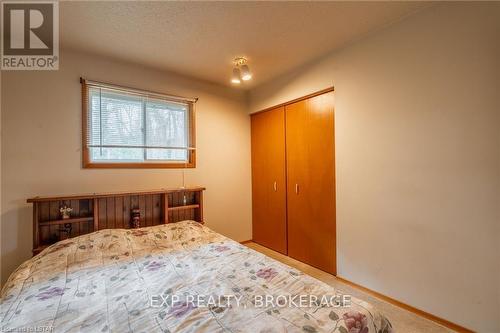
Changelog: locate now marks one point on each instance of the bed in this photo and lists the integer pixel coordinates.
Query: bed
(125, 280)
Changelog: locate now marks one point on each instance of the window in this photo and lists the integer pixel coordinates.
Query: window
(128, 128)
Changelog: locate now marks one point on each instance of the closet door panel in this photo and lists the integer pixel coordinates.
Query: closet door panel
(268, 179)
(311, 184)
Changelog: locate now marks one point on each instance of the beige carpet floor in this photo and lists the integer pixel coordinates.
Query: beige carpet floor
(402, 320)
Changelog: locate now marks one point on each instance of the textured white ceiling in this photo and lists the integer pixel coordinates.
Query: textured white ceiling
(200, 39)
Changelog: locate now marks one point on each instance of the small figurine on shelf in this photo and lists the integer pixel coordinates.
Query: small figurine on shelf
(65, 231)
(136, 218)
(65, 212)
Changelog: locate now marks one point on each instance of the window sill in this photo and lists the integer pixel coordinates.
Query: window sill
(175, 165)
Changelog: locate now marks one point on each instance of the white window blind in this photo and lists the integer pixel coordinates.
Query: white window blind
(132, 127)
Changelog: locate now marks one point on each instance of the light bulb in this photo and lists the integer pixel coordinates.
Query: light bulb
(236, 76)
(245, 73)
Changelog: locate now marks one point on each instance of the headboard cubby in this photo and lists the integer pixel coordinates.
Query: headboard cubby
(97, 211)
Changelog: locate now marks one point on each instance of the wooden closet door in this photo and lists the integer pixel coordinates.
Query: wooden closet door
(268, 179)
(311, 181)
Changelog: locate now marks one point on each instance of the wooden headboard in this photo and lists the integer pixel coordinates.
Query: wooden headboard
(92, 212)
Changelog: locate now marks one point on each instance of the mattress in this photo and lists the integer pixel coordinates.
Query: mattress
(179, 277)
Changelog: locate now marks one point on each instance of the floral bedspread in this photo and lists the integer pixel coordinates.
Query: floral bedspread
(119, 280)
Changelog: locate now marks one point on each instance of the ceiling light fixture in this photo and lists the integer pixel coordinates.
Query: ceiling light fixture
(245, 73)
(241, 71)
(236, 76)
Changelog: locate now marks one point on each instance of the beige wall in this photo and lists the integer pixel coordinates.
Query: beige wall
(41, 147)
(418, 159)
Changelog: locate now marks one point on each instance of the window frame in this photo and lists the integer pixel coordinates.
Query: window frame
(87, 162)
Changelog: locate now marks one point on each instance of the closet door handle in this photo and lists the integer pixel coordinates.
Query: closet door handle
(296, 188)
(275, 186)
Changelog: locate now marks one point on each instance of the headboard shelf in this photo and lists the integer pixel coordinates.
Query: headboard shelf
(113, 194)
(66, 221)
(92, 212)
(184, 207)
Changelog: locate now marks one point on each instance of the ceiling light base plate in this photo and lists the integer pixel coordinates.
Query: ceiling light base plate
(240, 61)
